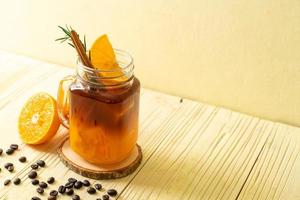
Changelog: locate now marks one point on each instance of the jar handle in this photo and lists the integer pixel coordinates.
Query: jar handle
(63, 99)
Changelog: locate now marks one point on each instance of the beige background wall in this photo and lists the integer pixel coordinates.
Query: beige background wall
(241, 54)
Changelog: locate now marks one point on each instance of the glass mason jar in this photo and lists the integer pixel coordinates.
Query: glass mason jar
(101, 110)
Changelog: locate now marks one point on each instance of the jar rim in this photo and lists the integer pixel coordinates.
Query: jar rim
(118, 52)
(124, 72)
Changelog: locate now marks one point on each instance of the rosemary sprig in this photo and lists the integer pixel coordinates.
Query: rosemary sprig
(67, 37)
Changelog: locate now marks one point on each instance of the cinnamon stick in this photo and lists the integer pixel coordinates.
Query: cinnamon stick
(80, 49)
(82, 54)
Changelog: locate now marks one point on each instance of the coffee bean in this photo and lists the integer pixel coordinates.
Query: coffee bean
(98, 186)
(11, 168)
(53, 193)
(91, 190)
(32, 174)
(1, 151)
(76, 197)
(72, 180)
(43, 185)
(105, 197)
(86, 183)
(14, 146)
(112, 192)
(35, 198)
(17, 181)
(78, 184)
(7, 182)
(6, 165)
(35, 182)
(34, 166)
(69, 191)
(61, 189)
(69, 185)
(41, 163)
(51, 180)
(40, 190)
(22, 159)
(9, 151)
(51, 198)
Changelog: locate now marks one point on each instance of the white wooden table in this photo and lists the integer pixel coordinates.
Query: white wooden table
(191, 150)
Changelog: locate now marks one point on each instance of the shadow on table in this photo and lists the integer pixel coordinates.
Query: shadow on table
(54, 143)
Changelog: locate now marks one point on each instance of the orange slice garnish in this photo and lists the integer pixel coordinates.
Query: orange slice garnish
(103, 57)
(102, 54)
(38, 120)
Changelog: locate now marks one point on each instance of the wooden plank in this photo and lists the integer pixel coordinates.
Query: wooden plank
(275, 173)
(191, 150)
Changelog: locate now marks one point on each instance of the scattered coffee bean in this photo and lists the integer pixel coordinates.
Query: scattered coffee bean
(11, 168)
(6, 165)
(1, 151)
(34, 166)
(43, 185)
(98, 199)
(61, 189)
(22, 159)
(72, 180)
(35, 198)
(17, 181)
(105, 197)
(32, 174)
(51, 198)
(76, 197)
(86, 183)
(14, 146)
(9, 151)
(51, 180)
(98, 186)
(91, 190)
(53, 193)
(112, 192)
(41, 163)
(69, 185)
(78, 184)
(35, 182)
(69, 191)
(7, 182)
(40, 190)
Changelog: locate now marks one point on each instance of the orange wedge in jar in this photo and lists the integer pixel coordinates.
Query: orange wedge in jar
(38, 121)
(103, 58)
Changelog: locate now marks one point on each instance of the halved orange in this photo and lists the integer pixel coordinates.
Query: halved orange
(38, 120)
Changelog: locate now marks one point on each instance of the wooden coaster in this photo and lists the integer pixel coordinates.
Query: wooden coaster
(73, 161)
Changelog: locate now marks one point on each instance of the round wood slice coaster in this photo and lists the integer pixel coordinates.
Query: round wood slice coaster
(73, 161)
